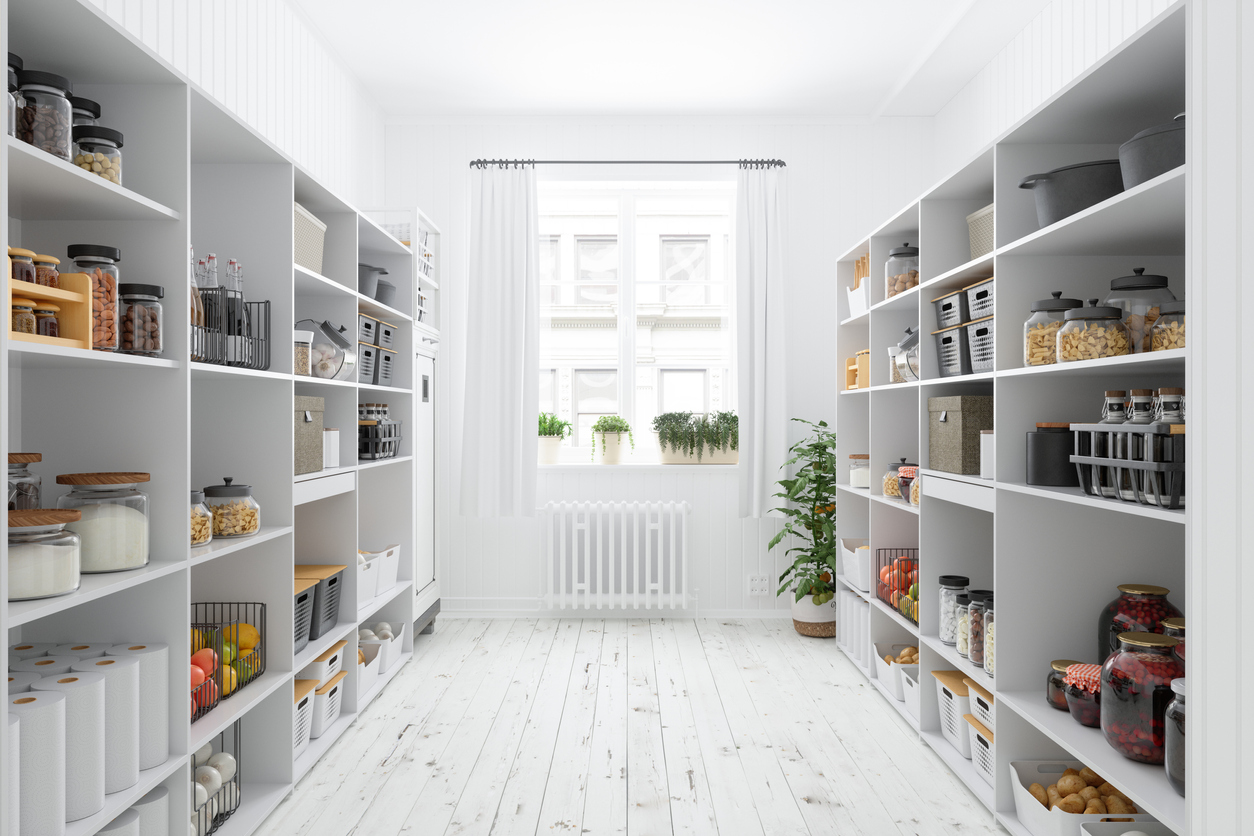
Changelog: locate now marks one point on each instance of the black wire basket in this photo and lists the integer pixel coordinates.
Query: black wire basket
(378, 440)
(224, 627)
(236, 332)
(897, 581)
(227, 761)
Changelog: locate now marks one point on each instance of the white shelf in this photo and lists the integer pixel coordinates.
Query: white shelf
(41, 356)
(961, 276)
(372, 237)
(866, 671)
(964, 666)
(900, 505)
(309, 283)
(324, 473)
(863, 492)
(1076, 496)
(378, 602)
(962, 767)
(865, 596)
(318, 746)
(372, 465)
(1154, 362)
(384, 679)
(961, 378)
(221, 547)
(302, 380)
(118, 802)
(211, 371)
(379, 310)
(899, 705)
(1010, 821)
(229, 710)
(391, 390)
(904, 301)
(90, 588)
(322, 644)
(257, 800)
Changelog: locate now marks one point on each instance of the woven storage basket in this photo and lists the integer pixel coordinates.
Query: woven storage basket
(980, 227)
(309, 234)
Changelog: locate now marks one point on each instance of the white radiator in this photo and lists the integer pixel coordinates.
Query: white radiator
(615, 554)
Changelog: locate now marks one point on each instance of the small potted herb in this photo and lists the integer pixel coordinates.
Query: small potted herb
(608, 432)
(552, 431)
(686, 438)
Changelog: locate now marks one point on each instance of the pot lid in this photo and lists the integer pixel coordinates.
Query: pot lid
(80, 103)
(1179, 687)
(1138, 281)
(1094, 311)
(910, 340)
(25, 458)
(954, 581)
(904, 249)
(93, 251)
(1061, 665)
(1171, 307)
(37, 517)
(1143, 589)
(197, 497)
(106, 478)
(42, 79)
(1057, 303)
(378, 270)
(1176, 124)
(142, 290)
(97, 132)
(1139, 639)
(228, 489)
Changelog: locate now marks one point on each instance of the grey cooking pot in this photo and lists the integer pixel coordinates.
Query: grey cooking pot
(368, 279)
(1152, 152)
(1073, 188)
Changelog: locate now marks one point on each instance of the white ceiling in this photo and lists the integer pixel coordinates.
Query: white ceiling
(422, 59)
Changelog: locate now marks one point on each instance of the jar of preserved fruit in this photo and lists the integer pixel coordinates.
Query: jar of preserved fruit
(21, 265)
(1136, 687)
(962, 635)
(1082, 685)
(1174, 627)
(1055, 693)
(1115, 408)
(891, 488)
(1040, 331)
(114, 524)
(201, 519)
(100, 263)
(43, 555)
(906, 475)
(975, 625)
(1141, 298)
(951, 586)
(1092, 333)
(25, 488)
(901, 270)
(46, 322)
(1139, 607)
(22, 320)
(1168, 331)
(46, 120)
(47, 271)
(990, 634)
(1173, 748)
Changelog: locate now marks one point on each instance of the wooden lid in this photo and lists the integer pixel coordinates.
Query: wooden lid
(953, 681)
(859, 456)
(950, 328)
(863, 351)
(981, 319)
(947, 295)
(114, 478)
(1056, 425)
(1171, 390)
(302, 688)
(1176, 429)
(25, 458)
(367, 423)
(301, 584)
(979, 727)
(971, 683)
(335, 680)
(977, 284)
(332, 650)
(318, 572)
(1142, 393)
(43, 516)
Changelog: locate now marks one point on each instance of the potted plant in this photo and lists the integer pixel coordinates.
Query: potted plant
(552, 431)
(685, 438)
(610, 428)
(809, 504)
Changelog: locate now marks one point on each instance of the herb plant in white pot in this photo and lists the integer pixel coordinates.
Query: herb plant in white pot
(607, 437)
(552, 431)
(685, 438)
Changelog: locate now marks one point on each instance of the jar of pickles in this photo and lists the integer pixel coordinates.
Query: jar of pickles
(1092, 333)
(25, 488)
(114, 524)
(1139, 607)
(951, 586)
(1173, 743)
(22, 320)
(46, 322)
(100, 263)
(1168, 331)
(1040, 331)
(235, 512)
(43, 556)
(1055, 688)
(1136, 687)
(21, 265)
(891, 488)
(1174, 627)
(201, 519)
(1083, 686)
(47, 271)
(1141, 298)
(975, 625)
(962, 634)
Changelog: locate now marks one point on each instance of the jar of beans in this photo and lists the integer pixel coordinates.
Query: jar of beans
(1136, 687)
(1174, 740)
(962, 636)
(46, 322)
(1174, 627)
(46, 120)
(100, 263)
(23, 317)
(141, 318)
(1055, 693)
(47, 271)
(975, 625)
(1083, 686)
(98, 150)
(21, 265)
(1139, 607)
(951, 586)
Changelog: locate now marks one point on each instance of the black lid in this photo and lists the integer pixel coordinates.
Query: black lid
(1056, 304)
(954, 580)
(60, 82)
(227, 489)
(12, 81)
(910, 340)
(93, 250)
(79, 103)
(980, 595)
(1138, 281)
(97, 132)
(198, 497)
(963, 599)
(904, 249)
(1094, 311)
(142, 290)
(15, 61)
(988, 600)
(1171, 307)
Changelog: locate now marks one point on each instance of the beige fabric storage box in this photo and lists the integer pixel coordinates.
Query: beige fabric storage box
(309, 418)
(953, 438)
(308, 235)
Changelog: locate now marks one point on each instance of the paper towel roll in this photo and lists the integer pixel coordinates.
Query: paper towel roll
(83, 650)
(126, 824)
(121, 675)
(14, 767)
(84, 740)
(29, 650)
(44, 665)
(19, 683)
(154, 813)
(42, 799)
(154, 706)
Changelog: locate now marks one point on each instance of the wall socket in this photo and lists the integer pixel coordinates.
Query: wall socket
(760, 585)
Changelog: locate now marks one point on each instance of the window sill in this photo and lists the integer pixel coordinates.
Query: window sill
(635, 467)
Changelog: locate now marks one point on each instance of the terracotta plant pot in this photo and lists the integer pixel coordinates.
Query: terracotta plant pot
(815, 620)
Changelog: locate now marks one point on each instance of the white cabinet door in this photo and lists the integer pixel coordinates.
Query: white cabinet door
(424, 471)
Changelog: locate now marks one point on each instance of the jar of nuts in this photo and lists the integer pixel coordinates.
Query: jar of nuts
(1040, 332)
(1141, 298)
(901, 271)
(235, 512)
(891, 488)
(84, 111)
(975, 625)
(98, 150)
(1168, 330)
(100, 263)
(141, 318)
(46, 120)
(1092, 333)
(201, 519)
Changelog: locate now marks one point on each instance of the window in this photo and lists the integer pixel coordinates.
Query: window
(635, 304)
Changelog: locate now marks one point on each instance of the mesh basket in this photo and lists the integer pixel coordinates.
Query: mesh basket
(235, 332)
(378, 440)
(223, 621)
(309, 234)
(979, 298)
(980, 344)
(225, 800)
(897, 571)
(303, 616)
(980, 227)
(980, 740)
(953, 357)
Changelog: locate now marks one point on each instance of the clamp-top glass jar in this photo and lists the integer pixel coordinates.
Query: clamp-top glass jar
(114, 524)
(901, 270)
(100, 263)
(1092, 333)
(1136, 687)
(1055, 688)
(951, 586)
(1169, 407)
(46, 119)
(84, 111)
(1139, 607)
(1142, 411)
(1040, 331)
(25, 488)
(1141, 298)
(43, 556)
(1114, 409)
(235, 512)
(1168, 331)
(99, 150)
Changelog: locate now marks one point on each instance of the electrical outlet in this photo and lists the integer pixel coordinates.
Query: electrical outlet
(760, 585)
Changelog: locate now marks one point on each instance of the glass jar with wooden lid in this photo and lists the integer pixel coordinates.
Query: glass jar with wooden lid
(21, 265)
(46, 322)
(47, 271)
(44, 557)
(860, 470)
(114, 524)
(22, 319)
(25, 488)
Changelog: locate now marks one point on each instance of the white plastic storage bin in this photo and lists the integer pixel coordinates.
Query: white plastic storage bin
(368, 671)
(856, 562)
(323, 669)
(980, 333)
(1042, 822)
(327, 705)
(302, 715)
(389, 563)
(983, 705)
(912, 691)
(367, 581)
(390, 650)
(953, 700)
(1114, 828)
(983, 755)
(309, 234)
(890, 675)
(858, 299)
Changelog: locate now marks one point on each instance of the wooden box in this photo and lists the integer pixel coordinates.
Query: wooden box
(73, 298)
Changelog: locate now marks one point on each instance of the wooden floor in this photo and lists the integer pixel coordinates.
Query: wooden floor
(641, 727)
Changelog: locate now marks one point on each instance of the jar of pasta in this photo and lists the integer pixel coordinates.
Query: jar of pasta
(1141, 298)
(235, 512)
(1040, 331)
(1092, 333)
(891, 487)
(1168, 330)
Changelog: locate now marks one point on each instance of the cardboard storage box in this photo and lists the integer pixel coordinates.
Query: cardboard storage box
(953, 438)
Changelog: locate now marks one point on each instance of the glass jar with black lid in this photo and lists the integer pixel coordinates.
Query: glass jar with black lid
(84, 111)
(47, 118)
(975, 625)
(901, 270)
(1140, 297)
(962, 637)
(1092, 333)
(1040, 331)
(98, 150)
(951, 587)
(235, 511)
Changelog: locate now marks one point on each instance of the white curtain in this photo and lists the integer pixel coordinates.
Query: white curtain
(502, 345)
(761, 227)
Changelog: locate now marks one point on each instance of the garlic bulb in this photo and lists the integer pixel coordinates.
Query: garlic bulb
(323, 361)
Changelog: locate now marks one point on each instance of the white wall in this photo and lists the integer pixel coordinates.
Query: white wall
(262, 61)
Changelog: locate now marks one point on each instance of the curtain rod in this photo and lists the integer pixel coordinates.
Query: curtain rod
(521, 163)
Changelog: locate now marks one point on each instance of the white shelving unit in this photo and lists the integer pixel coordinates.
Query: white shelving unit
(1053, 556)
(211, 182)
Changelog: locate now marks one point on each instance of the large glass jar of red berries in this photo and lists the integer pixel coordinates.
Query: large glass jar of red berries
(1054, 693)
(1139, 607)
(1174, 627)
(1136, 687)
(1083, 687)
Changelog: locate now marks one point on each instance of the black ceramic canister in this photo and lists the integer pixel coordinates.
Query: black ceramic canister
(1049, 457)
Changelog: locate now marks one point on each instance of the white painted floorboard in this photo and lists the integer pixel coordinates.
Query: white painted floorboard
(645, 727)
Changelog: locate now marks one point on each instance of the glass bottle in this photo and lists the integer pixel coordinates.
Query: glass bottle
(1173, 744)
(1114, 411)
(1139, 607)
(1142, 411)
(25, 488)
(1170, 406)
(1055, 693)
(1136, 687)
(196, 312)
(114, 524)
(962, 636)
(951, 587)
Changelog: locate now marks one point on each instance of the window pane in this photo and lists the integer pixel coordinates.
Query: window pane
(683, 391)
(550, 269)
(597, 265)
(548, 393)
(685, 260)
(595, 394)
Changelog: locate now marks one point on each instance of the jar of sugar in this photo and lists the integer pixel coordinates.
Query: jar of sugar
(44, 557)
(114, 524)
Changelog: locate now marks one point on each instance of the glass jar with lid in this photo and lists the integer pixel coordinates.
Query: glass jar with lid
(46, 322)
(1173, 735)
(859, 470)
(1169, 407)
(916, 488)
(201, 519)
(1136, 687)
(23, 316)
(301, 341)
(1083, 687)
(951, 586)
(1141, 409)
(47, 272)
(906, 476)
(975, 625)
(1141, 298)
(990, 632)
(46, 119)
(1168, 331)
(1092, 333)
(1114, 408)
(100, 263)
(1139, 607)
(13, 97)
(903, 358)
(25, 488)
(1174, 627)
(114, 524)
(1055, 693)
(21, 265)
(901, 270)
(84, 111)
(235, 512)
(1040, 331)
(142, 321)
(99, 150)
(890, 486)
(44, 556)
(962, 635)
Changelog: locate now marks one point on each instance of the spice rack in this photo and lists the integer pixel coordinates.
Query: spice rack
(73, 298)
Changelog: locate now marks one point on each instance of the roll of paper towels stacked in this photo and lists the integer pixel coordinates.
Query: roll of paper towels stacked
(154, 813)
(42, 788)
(44, 665)
(121, 677)
(29, 650)
(154, 707)
(19, 683)
(83, 650)
(84, 740)
(15, 771)
(126, 824)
